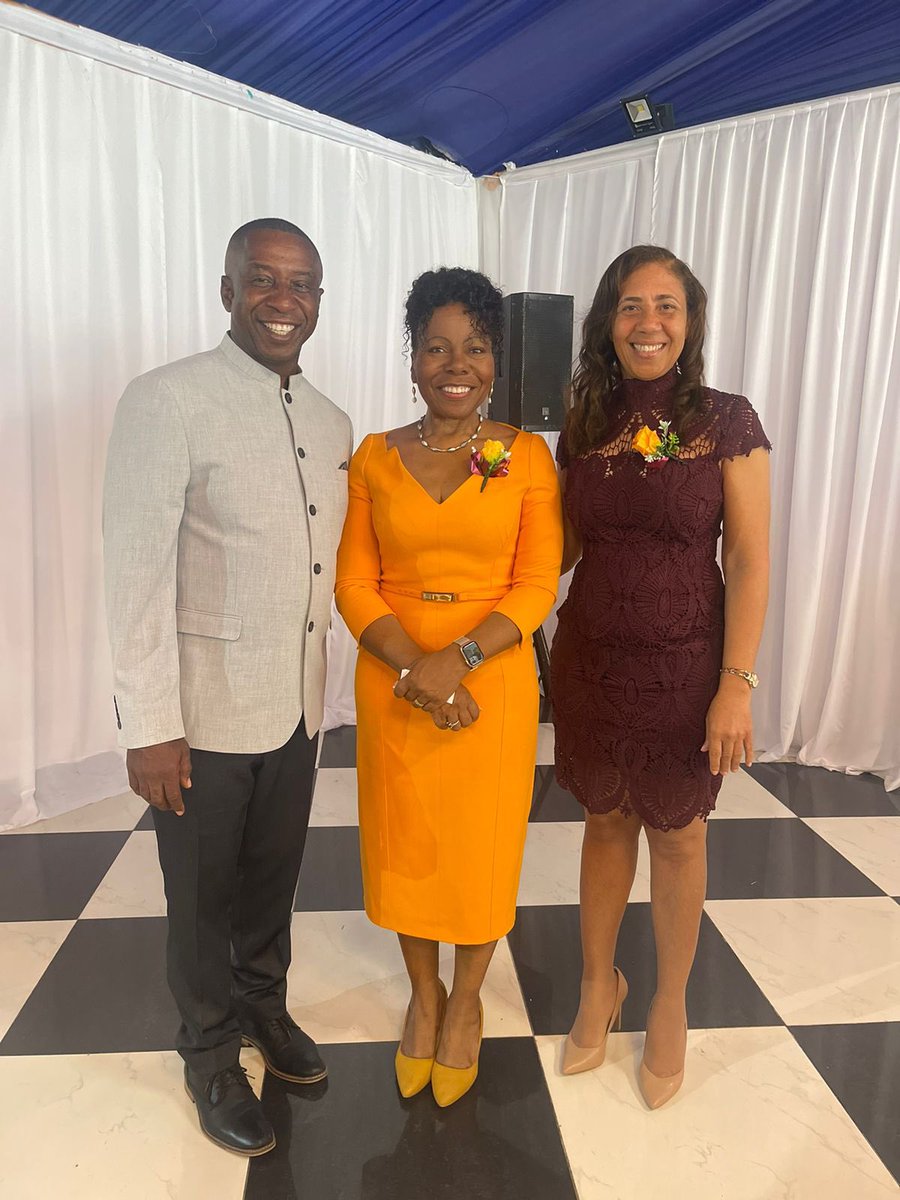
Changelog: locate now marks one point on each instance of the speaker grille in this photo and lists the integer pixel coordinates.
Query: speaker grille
(535, 364)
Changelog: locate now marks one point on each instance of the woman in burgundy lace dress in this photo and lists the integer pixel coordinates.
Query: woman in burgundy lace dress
(653, 657)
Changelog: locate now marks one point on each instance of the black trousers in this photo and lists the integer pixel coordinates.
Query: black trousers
(230, 866)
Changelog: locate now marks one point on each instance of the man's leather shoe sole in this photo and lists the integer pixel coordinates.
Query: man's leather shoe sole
(224, 1145)
(246, 1040)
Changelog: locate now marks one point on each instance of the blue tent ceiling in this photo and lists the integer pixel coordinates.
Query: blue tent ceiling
(516, 80)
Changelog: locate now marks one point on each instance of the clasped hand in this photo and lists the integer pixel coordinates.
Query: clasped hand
(431, 680)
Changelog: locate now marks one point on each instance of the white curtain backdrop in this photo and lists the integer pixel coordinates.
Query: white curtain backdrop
(790, 219)
(122, 175)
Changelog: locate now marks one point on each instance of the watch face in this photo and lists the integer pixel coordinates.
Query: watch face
(472, 654)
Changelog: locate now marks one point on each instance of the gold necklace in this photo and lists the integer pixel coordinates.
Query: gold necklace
(420, 428)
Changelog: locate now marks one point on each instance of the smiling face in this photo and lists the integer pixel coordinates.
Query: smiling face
(650, 323)
(453, 364)
(272, 288)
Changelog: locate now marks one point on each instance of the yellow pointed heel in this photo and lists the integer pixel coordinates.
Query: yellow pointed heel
(414, 1074)
(577, 1058)
(449, 1084)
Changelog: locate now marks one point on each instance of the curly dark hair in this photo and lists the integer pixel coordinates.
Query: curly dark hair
(598, 370)
(454, 285)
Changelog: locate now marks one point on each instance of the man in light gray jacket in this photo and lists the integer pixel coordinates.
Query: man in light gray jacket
(225, 494)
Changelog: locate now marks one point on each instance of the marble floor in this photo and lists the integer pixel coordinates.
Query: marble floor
(793, 1076)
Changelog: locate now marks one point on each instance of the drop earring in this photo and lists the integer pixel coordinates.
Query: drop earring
(414, 395)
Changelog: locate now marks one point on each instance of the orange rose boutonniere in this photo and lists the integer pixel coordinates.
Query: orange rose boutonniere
(656, 448)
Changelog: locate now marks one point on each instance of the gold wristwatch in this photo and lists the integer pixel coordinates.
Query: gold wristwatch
(748, 676)
(470, 650)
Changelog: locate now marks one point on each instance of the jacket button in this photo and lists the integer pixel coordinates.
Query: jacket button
(312, 510)
(310, 627)
(317, 569)
(288, 398)
(301, 452)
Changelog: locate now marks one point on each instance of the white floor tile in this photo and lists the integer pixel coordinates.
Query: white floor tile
(545, 744)
(334, 800)
(742, 797)
(94, 1127)
(347, 981)
(116, 812)
(871, 843)
(552, 865)
(754, 1121)
(26, 950)
(819, 961)
(133, 885)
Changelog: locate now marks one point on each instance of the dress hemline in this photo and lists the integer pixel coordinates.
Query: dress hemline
(620, 802)
(442, 936)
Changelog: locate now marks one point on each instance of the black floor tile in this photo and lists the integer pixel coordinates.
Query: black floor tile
(768, 859)
(861, 1065)
(354, 1138)
(550, 802)
(817, 792)
(339, 747)
(104, 992)
(51, 876)
(146, 821)
(331, 878)
(546, 947)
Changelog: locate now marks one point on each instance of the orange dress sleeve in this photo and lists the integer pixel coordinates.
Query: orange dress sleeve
(358, 580)
(535, 575)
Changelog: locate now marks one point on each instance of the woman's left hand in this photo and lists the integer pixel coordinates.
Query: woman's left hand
(462, 713)
(729, 727)
(432, 679)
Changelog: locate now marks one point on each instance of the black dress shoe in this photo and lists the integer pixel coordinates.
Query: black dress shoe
(230, 1114)
(288, 1052)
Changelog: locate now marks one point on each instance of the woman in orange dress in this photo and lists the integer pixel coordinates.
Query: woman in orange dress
(443, 575)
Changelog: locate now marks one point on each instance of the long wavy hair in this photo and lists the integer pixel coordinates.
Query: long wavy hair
(598, 370)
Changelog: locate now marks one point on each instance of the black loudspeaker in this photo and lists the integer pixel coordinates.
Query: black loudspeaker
(534, 367)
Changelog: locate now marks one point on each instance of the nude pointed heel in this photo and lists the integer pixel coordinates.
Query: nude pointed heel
(584, 1058)
(658, 1090)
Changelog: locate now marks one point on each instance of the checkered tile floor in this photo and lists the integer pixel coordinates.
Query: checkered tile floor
(793, 1081)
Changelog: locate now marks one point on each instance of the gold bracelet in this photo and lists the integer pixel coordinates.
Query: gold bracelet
(748, 676)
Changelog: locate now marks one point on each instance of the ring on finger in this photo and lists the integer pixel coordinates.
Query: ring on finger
(454, 725)
(418, 703)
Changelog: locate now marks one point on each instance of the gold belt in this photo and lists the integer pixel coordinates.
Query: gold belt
(449, 597)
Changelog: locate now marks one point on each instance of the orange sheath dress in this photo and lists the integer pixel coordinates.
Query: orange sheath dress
(443, 815)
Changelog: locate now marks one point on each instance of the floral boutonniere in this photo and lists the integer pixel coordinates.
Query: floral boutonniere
(656, 448)
(492, 459)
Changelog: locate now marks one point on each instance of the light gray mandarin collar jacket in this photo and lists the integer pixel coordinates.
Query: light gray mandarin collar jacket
(222, 510)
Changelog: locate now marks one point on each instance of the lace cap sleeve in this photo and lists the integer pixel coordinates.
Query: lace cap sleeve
(741, 430)
(562, 451)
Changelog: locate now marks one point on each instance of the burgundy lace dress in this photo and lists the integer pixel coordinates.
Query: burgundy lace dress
(636, 656)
